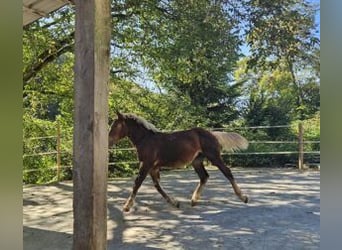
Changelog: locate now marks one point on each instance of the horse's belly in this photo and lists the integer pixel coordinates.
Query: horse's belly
(179, 159)
(177, 164)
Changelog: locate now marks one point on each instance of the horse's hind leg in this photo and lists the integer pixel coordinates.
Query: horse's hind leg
(143, 171)
(155, 175)
(203, 175)
(216, 160)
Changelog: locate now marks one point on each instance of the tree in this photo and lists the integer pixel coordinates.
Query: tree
(46, 40)
(282, 31)
(191, 51)
(270, 97)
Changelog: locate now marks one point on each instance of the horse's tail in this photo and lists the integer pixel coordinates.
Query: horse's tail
(230, 141)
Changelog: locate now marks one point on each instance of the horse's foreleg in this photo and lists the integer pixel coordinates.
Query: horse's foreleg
(203, 175)
(155, 175)
(143, 171)
(217, 161)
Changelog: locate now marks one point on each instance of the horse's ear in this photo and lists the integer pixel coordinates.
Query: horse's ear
(120, 116)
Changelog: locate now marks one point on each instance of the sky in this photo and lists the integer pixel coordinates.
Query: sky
(318, 15)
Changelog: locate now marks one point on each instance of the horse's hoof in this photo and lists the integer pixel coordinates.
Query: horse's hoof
(126, 209)
(127, 206)
(175, 203)
(245, 199)
(193, 203)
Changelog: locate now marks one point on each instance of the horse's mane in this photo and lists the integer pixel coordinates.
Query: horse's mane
(141, 121)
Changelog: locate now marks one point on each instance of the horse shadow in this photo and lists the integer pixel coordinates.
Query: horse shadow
(219, 220)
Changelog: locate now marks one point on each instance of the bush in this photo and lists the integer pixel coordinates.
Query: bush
(40, 139)
(311, 133)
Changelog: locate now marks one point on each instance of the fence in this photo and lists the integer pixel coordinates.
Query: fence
(299, 142)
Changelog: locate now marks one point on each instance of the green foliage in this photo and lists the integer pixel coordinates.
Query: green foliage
(271, 96)
(282, 32)
(48, 95)
(289, 133)
(262, 145)
(312, 132)
(187, 54)
(123, 160)
(37, 167)
(282, 29)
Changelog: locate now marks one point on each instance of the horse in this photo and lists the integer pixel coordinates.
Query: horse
(156, 149)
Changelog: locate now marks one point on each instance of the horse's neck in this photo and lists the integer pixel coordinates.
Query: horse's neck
(137, 134)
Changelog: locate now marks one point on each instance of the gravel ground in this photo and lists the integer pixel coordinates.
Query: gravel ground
(283, 213)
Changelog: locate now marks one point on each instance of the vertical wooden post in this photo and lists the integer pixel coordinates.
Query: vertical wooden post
(58, 151)
(300, 146)
(90, 160)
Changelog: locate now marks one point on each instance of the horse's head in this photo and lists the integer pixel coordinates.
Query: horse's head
(118, 130)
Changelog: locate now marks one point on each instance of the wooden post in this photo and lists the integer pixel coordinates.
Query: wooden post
(58, 151)
(90, 148)
(300, 146)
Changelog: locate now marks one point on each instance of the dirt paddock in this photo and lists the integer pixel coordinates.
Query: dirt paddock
(283, 213)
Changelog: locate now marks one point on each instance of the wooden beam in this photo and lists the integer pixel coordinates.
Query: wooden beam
(92, 39)
(300, 146)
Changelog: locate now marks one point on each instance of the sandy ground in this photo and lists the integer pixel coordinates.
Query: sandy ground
(283, 213)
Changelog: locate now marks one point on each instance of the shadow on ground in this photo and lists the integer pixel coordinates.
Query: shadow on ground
(284, 212)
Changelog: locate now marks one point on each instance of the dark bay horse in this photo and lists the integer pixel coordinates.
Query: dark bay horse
(157, 149)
